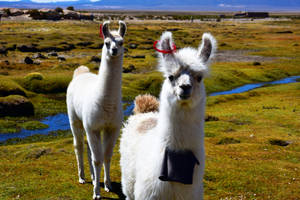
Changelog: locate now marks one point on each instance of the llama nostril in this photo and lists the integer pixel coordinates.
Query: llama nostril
(186, 88)
(114, 51)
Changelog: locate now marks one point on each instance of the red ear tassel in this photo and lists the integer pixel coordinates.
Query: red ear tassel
(164, 51)
(101, 33)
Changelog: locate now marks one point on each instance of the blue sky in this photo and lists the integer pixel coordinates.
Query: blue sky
(193, 5)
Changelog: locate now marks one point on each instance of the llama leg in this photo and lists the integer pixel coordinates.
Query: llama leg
(109, 141)
(90, 162)
(142, 192)
(127, 186)
(78, 141)
(94, 140)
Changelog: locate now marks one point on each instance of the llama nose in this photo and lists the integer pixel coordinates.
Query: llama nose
(186, 91)
(114, 51)
(186, 88)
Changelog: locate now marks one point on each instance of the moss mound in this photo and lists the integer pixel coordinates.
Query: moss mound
(9, 87)
(7, 126)
(34, 76)
(34, 125)
(15, 105)
(35, 82)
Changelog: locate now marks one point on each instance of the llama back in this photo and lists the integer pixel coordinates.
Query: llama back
(136, 127)
(144, 119)
(80, 70)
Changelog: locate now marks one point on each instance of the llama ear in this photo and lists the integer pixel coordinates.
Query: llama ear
(105, 29)
(166, 43)
(122, 28)
(207, 48)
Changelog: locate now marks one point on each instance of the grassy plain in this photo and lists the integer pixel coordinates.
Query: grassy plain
(244, 159)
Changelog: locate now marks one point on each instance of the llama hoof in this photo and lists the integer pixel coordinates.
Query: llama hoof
(96, 197)
(107, 188)
(81, 181)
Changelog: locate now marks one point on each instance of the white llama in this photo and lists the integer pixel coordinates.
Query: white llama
(94, 106)
(162, 153)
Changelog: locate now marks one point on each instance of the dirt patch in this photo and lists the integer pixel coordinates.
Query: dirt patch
(240, 56)
(36, 154)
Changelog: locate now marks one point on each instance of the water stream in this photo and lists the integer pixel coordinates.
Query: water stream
(61, 122)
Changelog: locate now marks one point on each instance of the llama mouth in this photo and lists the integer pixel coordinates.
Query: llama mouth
(184, 96)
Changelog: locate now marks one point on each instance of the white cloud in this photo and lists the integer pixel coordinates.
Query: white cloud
(112, 7)
(94, 0)
(10, 0)
(230, 6)
(50, 1)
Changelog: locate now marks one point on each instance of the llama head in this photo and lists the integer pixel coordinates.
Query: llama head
(185, 69)
(113, 40)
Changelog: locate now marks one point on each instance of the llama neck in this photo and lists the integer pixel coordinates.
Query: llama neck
(110, 76)
(181, 128)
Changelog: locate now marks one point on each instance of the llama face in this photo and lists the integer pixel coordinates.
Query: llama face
(113, 40)
(114, 45)
(185, 87)
(185, 70)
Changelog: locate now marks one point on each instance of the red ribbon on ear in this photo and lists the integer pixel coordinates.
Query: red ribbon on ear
(164, 51)
(100, 32)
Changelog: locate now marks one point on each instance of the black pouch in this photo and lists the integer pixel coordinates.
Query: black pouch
(178, 166)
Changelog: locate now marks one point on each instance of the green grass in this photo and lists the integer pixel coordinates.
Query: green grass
(33, 125)
(233, 170)
(247, 169)
(49, 84)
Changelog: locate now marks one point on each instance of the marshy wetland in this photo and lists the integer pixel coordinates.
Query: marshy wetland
(252, 138)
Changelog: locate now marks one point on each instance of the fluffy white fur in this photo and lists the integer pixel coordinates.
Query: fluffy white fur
(94, 106)
(180, 123)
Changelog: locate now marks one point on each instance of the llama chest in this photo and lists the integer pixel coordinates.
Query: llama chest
(109, 111)
(103, 113)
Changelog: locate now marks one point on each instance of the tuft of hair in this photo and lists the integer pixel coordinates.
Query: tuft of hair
(145, 103)
(80, 70)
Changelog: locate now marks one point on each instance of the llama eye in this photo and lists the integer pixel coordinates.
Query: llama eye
(199, 78)
(107, 44)
(121, 43)
(171, 78)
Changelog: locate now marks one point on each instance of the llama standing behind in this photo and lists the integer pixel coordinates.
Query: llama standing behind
(94, 106)
(149, 138)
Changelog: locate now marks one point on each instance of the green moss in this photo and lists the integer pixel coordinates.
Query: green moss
(16, 105)
(228, 140)
(9, 87)
(50, 84)
(51, 104)
(135, 84)
(33, 125)
(34, 76)
(8, 126)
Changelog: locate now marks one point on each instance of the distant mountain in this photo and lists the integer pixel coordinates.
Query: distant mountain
(193, 5)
